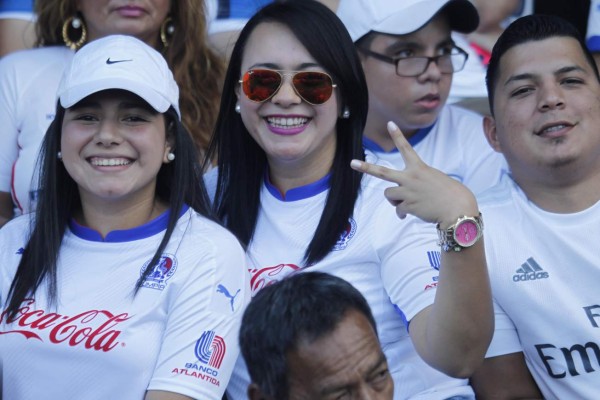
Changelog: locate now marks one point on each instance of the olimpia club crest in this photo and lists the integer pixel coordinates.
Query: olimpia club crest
(345, 237)
(162, 271)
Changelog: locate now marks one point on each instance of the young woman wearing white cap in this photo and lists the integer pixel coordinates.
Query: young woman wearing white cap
(29, 79)
(120, 285)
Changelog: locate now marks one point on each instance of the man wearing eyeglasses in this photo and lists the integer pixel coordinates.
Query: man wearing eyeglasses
(409, 58)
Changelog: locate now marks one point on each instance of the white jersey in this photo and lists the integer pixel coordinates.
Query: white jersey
(593, 27)
(394, 263)
(469, 82)
(544, 269)
(99, 341)
(28, 83)
(456, 145)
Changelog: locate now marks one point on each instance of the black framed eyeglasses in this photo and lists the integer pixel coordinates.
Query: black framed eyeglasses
(415, 66)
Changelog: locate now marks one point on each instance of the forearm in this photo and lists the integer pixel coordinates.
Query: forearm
(453, 334)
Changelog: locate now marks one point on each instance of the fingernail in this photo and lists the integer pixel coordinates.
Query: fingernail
(355, 163)
(392, 126)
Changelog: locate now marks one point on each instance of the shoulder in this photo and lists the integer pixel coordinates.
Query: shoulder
(500, 202)
(208, 236)
(39, 53)
(35, 61)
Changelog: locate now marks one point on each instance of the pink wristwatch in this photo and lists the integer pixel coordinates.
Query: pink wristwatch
(464, 233)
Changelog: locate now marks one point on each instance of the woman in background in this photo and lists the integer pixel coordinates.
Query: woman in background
(29, 79)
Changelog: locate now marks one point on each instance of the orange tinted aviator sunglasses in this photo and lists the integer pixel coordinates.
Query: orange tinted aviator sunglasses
(314, 87)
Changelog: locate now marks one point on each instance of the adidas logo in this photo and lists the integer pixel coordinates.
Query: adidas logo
(530, 271)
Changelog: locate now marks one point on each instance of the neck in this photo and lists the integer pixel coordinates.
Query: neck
(106, 217)
(561, 193)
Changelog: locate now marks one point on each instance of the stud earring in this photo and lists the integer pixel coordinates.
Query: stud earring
(346, 113)
(170, 156)
(238, 108)
(59, 155)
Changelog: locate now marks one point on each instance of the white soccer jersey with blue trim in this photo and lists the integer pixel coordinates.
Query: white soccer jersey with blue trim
(177, 334)
(28, 83)
(545, 270)
(394, 263)
(456, 145)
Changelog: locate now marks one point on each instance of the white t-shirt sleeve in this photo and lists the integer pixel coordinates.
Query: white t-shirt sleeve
(8, 121)
(200, 342)
(407, 272)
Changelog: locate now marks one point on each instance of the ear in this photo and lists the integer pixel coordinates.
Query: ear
(489, 127)
(254, 393)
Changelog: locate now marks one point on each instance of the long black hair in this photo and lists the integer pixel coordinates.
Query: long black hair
(178, 182)
(242, 163)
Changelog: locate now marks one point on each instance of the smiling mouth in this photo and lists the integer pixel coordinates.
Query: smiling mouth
(109, 162)
(287, 123)
(552, 128)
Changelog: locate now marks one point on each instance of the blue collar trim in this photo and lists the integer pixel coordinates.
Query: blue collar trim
(299, 193)
(150, 228)
(413, 140)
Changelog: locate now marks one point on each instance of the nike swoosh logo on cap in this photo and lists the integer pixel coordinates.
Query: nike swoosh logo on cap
(109, 61)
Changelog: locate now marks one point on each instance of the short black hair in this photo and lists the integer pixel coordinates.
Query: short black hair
(301, 307)
(531, 28)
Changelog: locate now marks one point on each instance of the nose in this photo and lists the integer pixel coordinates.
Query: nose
(432, 72)
(108, 134)
(551, 98)
(286, 94)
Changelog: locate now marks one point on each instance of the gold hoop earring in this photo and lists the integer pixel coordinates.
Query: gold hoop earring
(74, 23)
(166, 31)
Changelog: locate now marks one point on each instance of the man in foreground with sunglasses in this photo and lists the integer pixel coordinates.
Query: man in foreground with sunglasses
(409, 57)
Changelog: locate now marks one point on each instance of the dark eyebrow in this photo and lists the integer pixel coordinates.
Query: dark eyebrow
(561, 71)
(299, 67)
(378, 364)
(138, 104)
(415, 45)
(569, 68)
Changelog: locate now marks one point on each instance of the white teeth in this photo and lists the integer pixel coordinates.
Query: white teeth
(554, 128)
(287, 122)
(109, 162)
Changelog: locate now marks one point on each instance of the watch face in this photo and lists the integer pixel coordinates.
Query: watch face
(466, 233)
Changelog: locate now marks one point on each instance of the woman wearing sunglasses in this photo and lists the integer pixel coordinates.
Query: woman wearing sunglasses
(293, 109)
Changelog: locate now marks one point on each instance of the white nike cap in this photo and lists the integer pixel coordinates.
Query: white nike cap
(400, 17)
(120, 62)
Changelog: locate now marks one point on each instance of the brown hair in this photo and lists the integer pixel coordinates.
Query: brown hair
(197, 68)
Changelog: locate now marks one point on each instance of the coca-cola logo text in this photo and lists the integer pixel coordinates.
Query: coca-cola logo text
(93, 329)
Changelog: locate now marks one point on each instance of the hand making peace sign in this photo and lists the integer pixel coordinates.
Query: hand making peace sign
(422, 191)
